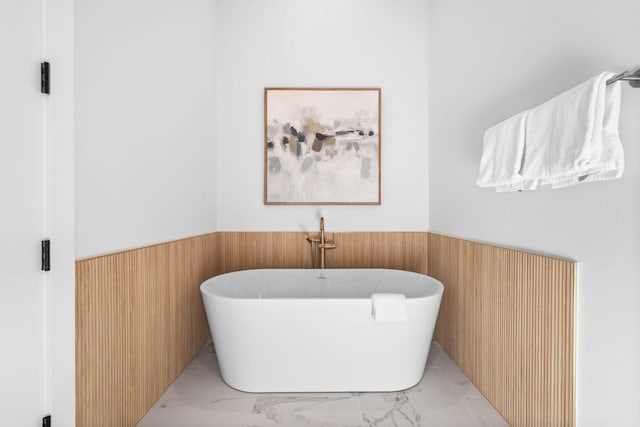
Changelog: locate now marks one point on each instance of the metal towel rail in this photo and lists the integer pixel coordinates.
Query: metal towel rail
(632, 78)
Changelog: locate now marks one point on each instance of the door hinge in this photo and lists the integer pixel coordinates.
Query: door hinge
(44, 77)
(46, 421)
(46, 255)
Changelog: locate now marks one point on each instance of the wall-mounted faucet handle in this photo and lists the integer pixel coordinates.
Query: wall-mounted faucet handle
(312, 239)
(327, 245)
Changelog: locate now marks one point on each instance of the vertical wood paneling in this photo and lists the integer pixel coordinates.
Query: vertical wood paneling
(507, 319)
(247, 250)
(139, 322)
(396, 250)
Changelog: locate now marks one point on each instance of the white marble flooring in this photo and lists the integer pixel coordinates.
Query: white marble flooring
(444, 397)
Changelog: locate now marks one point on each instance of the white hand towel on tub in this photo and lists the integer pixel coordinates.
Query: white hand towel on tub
(502, 151)
(389, 307)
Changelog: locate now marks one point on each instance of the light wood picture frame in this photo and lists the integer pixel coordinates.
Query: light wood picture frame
(322, 146)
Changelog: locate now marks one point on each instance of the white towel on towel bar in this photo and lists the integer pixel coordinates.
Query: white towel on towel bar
(569, 139)
(612, 151)
(574, 137)
(389, 307)
(502, 151)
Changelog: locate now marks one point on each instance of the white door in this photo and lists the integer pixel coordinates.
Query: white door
(24, 347)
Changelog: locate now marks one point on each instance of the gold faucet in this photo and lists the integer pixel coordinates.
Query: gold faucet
(322, 242)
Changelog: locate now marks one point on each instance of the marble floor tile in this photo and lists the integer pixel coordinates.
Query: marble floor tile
(389, 409)
(206, 357)
(463, 387)
(431, 402)
(178, 413)
(318, 410)
(433, 355)
(484, 413)
(201, 383)
(444, 397)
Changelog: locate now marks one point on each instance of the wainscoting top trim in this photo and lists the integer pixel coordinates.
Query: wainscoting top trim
(511, 248)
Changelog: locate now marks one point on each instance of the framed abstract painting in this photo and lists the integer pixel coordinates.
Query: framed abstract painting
(322, 146)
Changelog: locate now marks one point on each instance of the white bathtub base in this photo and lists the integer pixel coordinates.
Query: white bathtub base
(320, 344)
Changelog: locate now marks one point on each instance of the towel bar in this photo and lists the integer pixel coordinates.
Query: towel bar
(633, 79)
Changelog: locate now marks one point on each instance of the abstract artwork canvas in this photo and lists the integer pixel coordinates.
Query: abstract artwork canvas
(322, 146)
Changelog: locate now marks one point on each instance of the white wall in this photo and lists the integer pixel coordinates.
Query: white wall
(61, 303)
(37, 309)
(145, 114)
(492, 59)
(150, 147)
(321, 43)
(23, 288)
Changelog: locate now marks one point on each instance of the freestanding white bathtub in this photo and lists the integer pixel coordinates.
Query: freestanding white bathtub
(283, 330)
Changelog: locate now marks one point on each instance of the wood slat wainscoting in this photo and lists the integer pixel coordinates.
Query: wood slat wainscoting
(139, 322)
(240, 250)
(397, 250)
(507, 319)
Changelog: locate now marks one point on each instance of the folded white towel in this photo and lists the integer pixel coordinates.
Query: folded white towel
(569, 139)
(389, 307)
(573, 137)
(502, 151)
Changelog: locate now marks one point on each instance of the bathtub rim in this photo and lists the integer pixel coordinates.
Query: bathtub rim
(439, 286)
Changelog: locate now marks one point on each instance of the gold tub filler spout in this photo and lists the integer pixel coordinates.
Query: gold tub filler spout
(321, 243)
